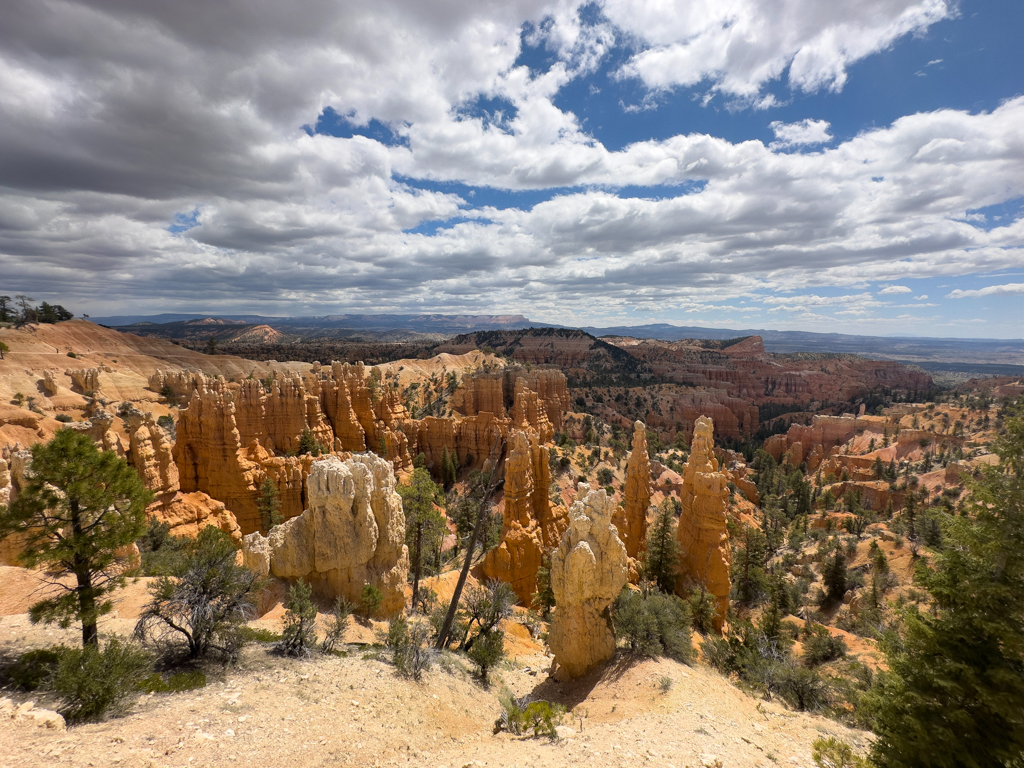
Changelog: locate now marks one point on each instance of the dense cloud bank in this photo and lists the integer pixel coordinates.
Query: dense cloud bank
(163, 152)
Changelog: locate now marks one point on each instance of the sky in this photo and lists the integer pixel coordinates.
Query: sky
(852, 167)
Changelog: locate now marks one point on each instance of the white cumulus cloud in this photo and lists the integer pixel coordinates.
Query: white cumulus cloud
(895, 289)
(991, 290)
(801, 133)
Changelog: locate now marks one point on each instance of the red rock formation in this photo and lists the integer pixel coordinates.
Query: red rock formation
(529, 525)
(703, 535)
(631, 518)
(483, 393)
(151, 454)
(188, 513)
(529, 412)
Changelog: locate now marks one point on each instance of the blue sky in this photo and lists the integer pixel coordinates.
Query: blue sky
(854, 167)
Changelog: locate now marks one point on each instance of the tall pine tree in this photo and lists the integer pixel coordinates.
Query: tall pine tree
(661, 560)
(954, 692)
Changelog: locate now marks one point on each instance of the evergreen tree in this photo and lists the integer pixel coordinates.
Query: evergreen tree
(81, 508)
(833, 573)
(954, 692)
(544, 597)
(748, 576)
(308, 444)
(204, 599)
(661, 560)
(423, 522)
(299, 635)
(269, 505)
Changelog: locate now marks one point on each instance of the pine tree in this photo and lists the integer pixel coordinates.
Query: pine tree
(544, 597)
(81, 508)
(269, 505)
(833, 573)
(423, 522)
(954, 692)
(661, 560)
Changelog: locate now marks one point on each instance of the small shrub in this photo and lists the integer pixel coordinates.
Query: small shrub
(800, 687)
(717, 653)
(665, 684)
(72, 354)
(160, 551)
(409, 647)
(832, 753)
(339, 623)
(702, 611)
(32, 669)
(371, 599)
(258, 635)
(487, 651)
(822, 646)
(519, 716)
(204, 599)
(653, 625)
(93, 683)
(167, 393)
(63, 418)
(299, 636)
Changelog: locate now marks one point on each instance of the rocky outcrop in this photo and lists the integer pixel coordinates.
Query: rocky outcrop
(484, 393)
(50, 386)
(588, 570)
(703, 535)
(231, 436)
(351, 534)
(13, 478)
(188, 513)
(530, 526)
(86, 379)
(815, 442)
(631, 518)
(151, 453)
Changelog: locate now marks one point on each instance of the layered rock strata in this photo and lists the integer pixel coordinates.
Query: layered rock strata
(351, 534)
(703, 535)
(588, 570)
(631, 518)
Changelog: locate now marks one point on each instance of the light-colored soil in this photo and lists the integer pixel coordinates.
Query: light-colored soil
(355, 711)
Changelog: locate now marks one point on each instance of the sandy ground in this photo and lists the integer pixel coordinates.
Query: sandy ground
(355, 711)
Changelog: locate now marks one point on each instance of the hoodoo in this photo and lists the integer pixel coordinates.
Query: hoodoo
(631, 519)
(703, 535)
(588, 570)
(351, 534)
